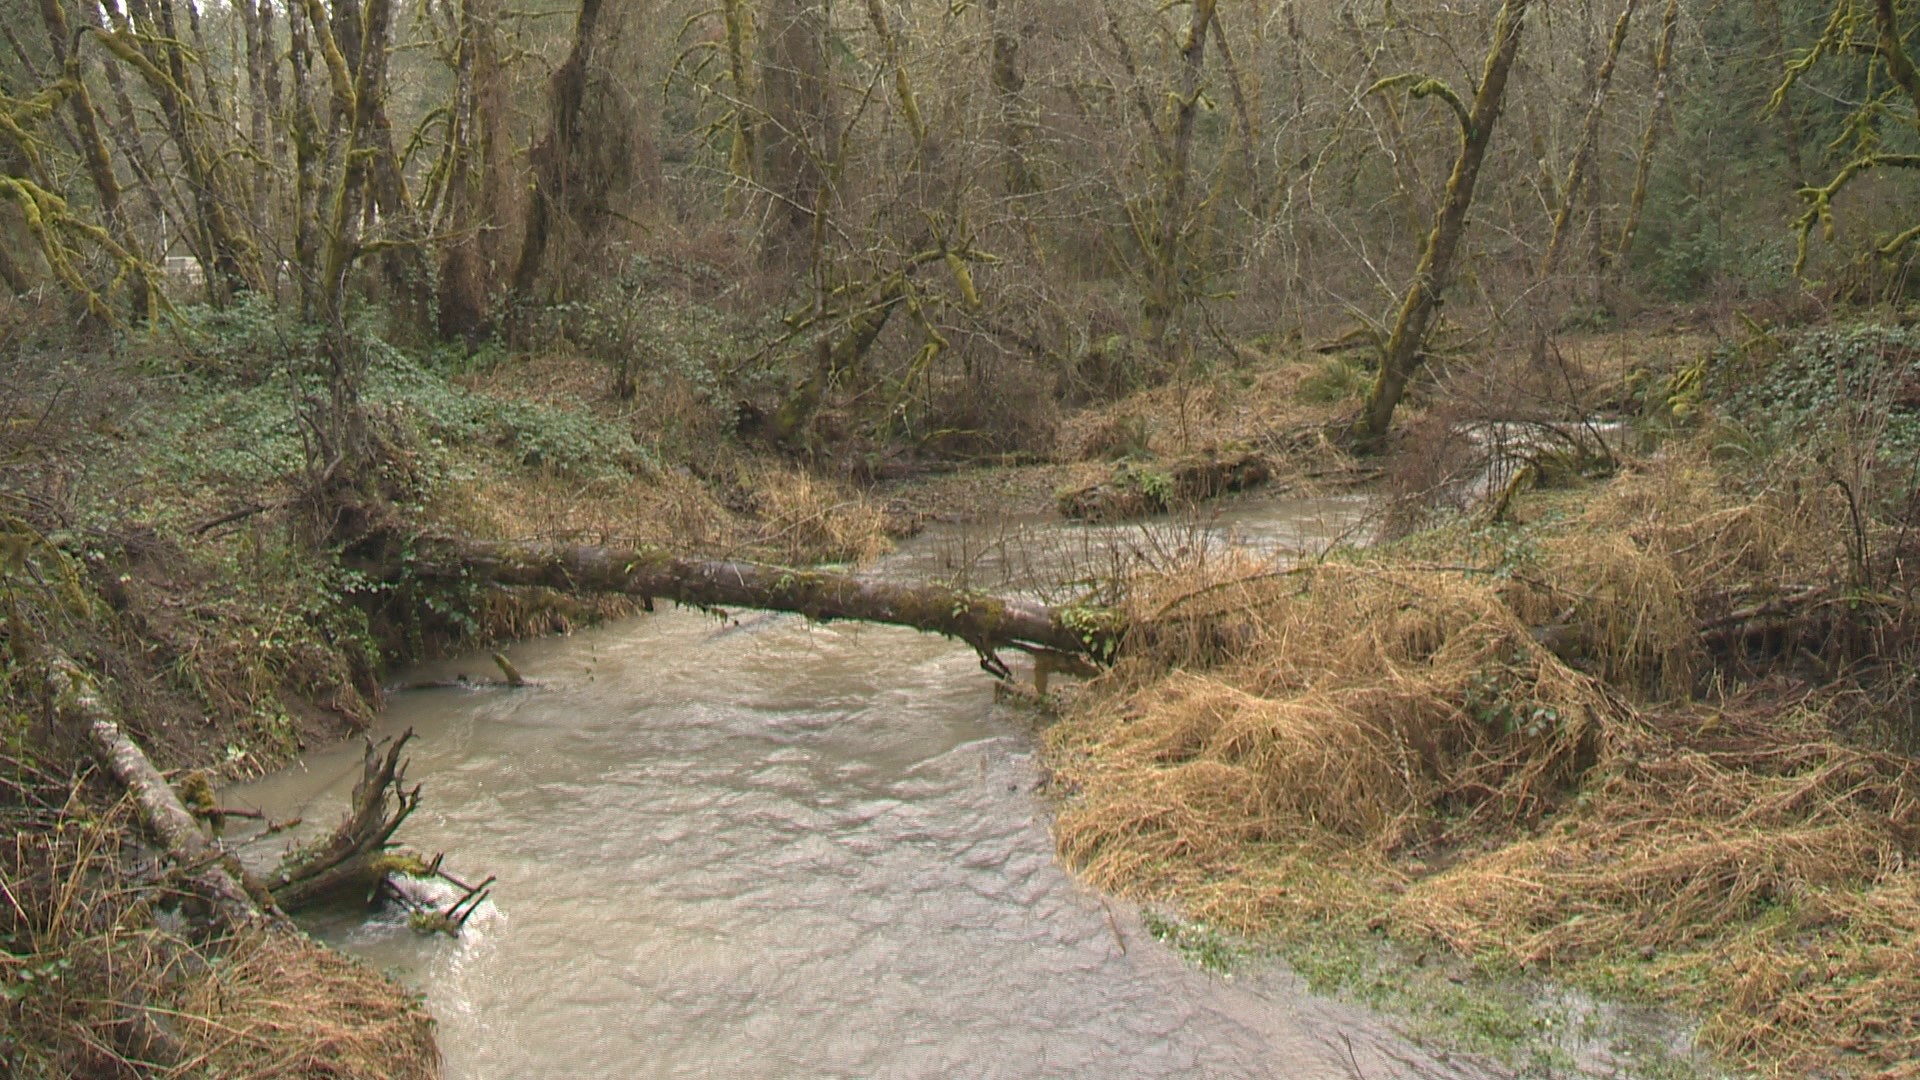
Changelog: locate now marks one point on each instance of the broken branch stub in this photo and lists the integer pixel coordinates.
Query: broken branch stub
(355, 859)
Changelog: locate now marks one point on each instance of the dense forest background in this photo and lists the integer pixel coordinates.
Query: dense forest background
(929, 224)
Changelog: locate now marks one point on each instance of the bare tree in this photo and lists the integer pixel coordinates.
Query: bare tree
(794, 139)
(1402, 356)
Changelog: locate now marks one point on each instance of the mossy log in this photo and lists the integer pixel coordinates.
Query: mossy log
(1136, 491)
(982, 621)
(355, 858)
(205, 870)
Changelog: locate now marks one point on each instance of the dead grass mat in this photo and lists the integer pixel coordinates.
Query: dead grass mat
(1386, 737)
(98, 983)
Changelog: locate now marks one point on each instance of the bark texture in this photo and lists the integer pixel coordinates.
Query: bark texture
(1403, 354)
(982, 621)
(203, 866)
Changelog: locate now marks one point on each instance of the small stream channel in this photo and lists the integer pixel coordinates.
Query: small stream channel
(769, 849)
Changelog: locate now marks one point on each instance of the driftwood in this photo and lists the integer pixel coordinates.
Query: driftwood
(1136, 491)
(982, 621)
(207, 872)
(355, 859)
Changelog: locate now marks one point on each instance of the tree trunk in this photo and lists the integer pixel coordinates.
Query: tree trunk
(1243, 109)
(1402, 356)
(145, 38)
(1004, 73)
(1768, 13)
(984, 622)
(741, 157)
(403, 258)
(93, 146)
(794, 91)
(15, 278)
(479, 166)
(1656, 118)
(354, 45)
(256, 21)
(304, 127)
(125, 127)
(552, 156)
(1548, 308)
(1167, 288)
(1583, 152)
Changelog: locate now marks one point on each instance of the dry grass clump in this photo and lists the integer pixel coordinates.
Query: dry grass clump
(1258, 405)
(1660, 554)
(284, 1006)
(670, 510)
(99, 979)
(1619, 745)
(772, 512)
(1741, 861)
(804, 519)
(1835, 978)
(1429, 712)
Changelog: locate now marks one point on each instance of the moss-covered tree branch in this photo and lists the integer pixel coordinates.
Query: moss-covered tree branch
(982, 621)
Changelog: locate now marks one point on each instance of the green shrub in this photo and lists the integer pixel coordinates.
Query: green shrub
(1822, 377)
(1337, 379)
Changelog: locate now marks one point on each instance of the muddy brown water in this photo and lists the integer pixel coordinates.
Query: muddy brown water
(759, 848)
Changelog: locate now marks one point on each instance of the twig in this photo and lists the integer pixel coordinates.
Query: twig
(1113, 925)
(241, 514)
(1353, 1062)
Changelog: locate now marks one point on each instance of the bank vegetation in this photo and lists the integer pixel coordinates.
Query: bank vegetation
(339, 334)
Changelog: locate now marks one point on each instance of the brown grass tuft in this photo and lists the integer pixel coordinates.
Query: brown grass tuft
(284, 1006)
(99, 978)
(1438, 702)
(1562, 747)
(804, 519)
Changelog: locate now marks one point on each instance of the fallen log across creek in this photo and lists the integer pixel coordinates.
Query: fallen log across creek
(358, 856)
(1071, 638)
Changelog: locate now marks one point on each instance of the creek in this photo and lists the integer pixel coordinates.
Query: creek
(760, 848)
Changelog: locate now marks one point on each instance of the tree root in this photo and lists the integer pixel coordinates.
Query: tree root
(357, 857)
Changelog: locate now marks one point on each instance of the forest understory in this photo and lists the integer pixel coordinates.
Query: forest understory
(337, 335)
(1634, 711)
